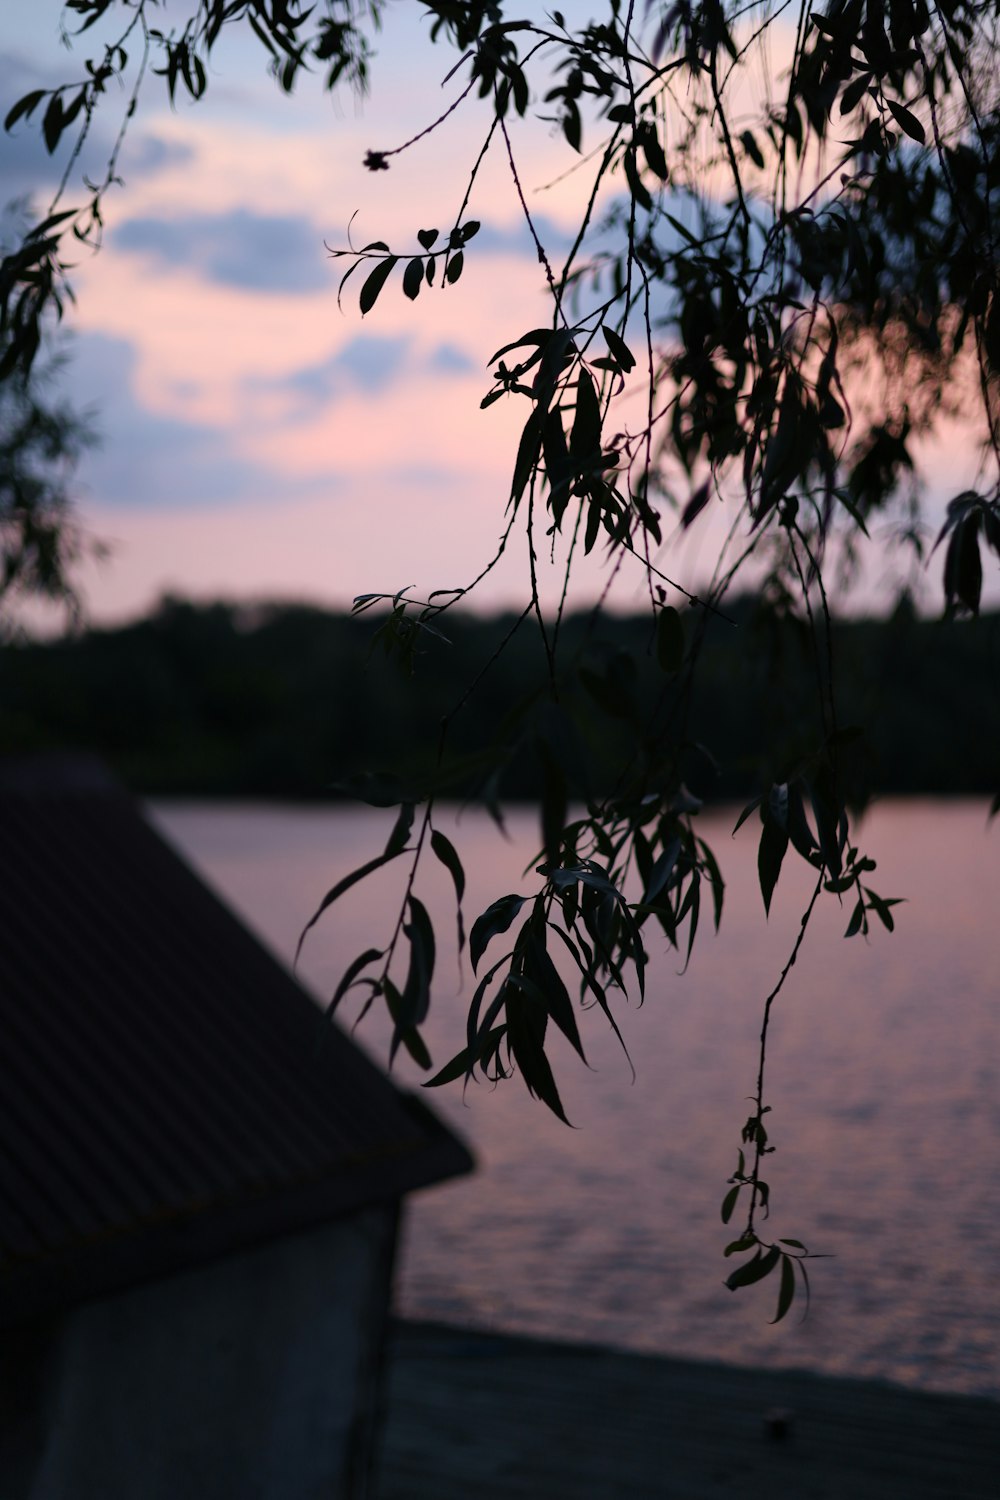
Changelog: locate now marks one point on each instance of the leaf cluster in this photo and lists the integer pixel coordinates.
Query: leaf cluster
(767, 308)
(420, 267)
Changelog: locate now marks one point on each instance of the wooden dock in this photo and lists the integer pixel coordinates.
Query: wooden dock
(477, 1416)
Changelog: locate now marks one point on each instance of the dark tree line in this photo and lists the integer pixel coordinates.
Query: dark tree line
(290, 702)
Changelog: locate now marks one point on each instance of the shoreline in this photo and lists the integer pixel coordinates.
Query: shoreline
(473, 1413)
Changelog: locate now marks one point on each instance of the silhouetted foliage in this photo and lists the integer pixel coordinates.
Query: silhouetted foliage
(790, 280)
(40, 539)
(41, 441)
(285, 701)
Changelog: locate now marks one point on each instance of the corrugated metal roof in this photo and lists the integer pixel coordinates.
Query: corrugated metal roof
(168, 1093)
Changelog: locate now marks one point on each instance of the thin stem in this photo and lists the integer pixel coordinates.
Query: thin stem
(759, 1145)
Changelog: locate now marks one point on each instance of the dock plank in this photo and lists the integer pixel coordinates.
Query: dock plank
(484, 1416)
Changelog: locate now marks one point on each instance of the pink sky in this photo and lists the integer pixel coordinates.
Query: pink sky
(257, 440)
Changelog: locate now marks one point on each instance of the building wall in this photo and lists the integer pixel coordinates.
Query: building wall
(251, 1378)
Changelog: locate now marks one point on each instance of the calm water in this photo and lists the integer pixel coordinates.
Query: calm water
(884, 1076)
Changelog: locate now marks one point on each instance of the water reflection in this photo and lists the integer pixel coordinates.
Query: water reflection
(883, 1076)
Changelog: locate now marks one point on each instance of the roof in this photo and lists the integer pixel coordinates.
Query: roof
(168, 1092)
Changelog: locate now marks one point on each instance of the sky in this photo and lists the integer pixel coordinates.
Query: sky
(256, 439)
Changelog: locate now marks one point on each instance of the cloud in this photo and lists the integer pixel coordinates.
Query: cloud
(371, 364)
(29, 172)
(26, 168)
(149, 154)
(448, 359)
(146, 461)
(242, 249)
(515, 239)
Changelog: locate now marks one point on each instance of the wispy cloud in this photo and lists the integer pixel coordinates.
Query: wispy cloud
(243, 249)
(28, 170)
(448, 359)
(516, 238)
(370, 364)
(136, 467)
(149, 154)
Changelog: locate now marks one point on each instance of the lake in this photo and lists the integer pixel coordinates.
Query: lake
(883, 1076)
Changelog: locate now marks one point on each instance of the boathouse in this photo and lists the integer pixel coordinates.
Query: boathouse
(200, 1180)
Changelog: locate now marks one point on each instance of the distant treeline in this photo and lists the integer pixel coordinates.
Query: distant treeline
(290, 701)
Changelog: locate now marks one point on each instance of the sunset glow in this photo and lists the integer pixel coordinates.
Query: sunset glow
(257, 439)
